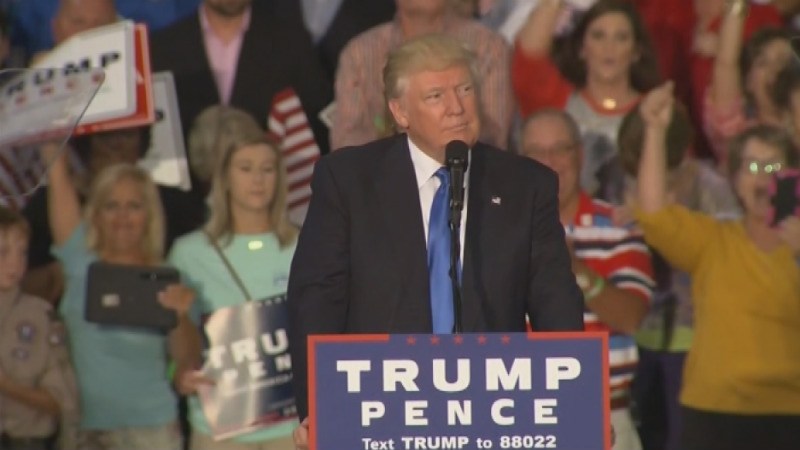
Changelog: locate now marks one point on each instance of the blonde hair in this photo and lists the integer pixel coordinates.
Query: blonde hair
(101, 189)
(243, 132)
(213, 131)
(431, 52)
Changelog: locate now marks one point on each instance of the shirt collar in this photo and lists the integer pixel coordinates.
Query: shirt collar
(206, 27)
(424, 166)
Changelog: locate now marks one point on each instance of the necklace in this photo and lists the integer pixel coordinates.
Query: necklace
(609, 103)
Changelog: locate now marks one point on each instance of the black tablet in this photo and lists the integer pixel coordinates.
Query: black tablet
(127, 295)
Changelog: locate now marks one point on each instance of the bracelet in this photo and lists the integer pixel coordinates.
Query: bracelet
(599, 285)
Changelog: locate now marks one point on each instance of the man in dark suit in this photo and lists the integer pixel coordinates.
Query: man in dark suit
(361, 264)
(275, 52)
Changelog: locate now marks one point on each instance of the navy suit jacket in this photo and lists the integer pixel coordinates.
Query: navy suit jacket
(361, 259)
(276, 53)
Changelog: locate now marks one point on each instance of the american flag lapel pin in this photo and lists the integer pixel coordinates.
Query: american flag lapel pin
(496, 200)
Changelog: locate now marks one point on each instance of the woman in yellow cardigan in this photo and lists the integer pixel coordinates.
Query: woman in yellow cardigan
(742, 376)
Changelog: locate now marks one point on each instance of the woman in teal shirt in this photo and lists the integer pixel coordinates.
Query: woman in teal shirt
(126, 399)
(242, 254)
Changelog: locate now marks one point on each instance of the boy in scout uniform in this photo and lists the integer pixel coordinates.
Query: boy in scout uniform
(38, 393)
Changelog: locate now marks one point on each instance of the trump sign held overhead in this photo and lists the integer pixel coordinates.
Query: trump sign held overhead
(37, 106)
(122, 51)
(464, 391)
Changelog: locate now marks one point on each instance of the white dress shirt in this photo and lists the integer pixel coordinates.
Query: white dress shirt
(425, 168)
(318, 16)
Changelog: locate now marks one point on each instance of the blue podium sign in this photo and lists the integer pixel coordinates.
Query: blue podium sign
(467, 391)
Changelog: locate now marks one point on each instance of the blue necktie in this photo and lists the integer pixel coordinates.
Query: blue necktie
(439, 258)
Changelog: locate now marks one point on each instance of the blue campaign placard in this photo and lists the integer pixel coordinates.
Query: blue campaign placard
(467, 391)
(247, 354)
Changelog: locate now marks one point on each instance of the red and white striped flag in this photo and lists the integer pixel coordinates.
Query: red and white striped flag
(289, 123)
(20, 172)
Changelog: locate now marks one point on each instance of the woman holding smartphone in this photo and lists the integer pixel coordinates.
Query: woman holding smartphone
(126, 398)
(242, 255)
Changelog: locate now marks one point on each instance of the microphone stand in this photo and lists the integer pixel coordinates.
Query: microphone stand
(456, 207)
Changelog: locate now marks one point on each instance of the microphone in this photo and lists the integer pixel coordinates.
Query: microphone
(455, 154)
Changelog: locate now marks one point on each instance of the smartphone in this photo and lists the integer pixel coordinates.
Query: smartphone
(785, 195)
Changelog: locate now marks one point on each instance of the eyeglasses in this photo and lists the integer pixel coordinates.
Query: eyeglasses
(761, 167)
(557, 151)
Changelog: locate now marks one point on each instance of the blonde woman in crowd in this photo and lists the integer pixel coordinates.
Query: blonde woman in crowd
(242, 254)
(212, 131)
(126, 398)
(741, 385)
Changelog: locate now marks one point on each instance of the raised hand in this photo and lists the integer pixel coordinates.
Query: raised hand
(656, 107)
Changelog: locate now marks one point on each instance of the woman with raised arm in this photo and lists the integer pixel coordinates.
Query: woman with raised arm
(739, 95)
(608, 63)
(665, 334)
(240, 259)
(126, 398)
(741, 386)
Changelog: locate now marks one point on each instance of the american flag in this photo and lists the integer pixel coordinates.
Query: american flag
(289, 123)
(21, 170)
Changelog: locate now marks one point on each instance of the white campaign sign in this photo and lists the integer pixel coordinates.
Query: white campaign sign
(111, 48)
(39, 105)
(166, 160)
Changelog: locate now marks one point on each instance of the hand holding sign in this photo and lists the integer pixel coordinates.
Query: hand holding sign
(49, 151)
(122, 51)
(189, 382)
(300, 435)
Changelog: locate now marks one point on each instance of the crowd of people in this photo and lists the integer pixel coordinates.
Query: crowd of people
(638, 141)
